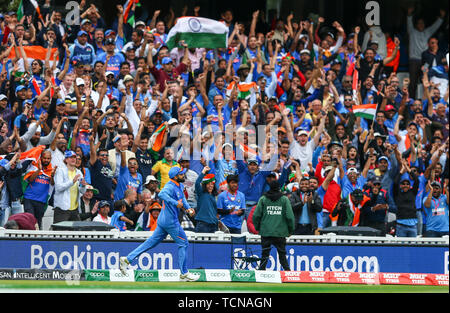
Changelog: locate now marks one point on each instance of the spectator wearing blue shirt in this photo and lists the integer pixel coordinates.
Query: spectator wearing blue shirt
(231, 205)
(82, 49)
(118, 219)
(206, 211)
(436, 210)
(129, 177)
(114, 59)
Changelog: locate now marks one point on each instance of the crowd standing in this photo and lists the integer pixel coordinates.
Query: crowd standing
(111, 110)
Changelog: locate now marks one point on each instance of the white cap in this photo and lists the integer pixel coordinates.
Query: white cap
(149, 179)
(80, 81)
(172, 121)
(109, 73)
(2, 97)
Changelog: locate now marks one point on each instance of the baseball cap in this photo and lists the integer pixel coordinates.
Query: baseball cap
(436, 183)
(89, 187)
(109, 73)
(79, 81)
(376, 180)
(110, 32)
(155, 206)
(383, 157)
(174, 171)
(69, 154)
(172, 121)
(227, 145)
(127, 78)
(139, 23)
(19, 88)
(60, 101)
(3, 97)
(414, 124)
(302, 132)
(305, 51)
(253, 161)
(379, 135)
(103, 203)
(149, 179)
(281, 129)
(358, 194)
(166, 60)
(85, 21)
(110, 41)
(352, 170)
(81, 33)
(389, 107)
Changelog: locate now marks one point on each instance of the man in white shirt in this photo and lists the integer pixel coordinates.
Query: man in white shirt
(302, 149)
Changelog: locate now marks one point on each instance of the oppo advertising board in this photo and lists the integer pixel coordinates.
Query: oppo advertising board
(98, 254)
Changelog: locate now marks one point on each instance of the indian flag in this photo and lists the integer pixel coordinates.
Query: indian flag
(367, 111)
(198, 32)
(156, 139)
(26, 7)
(246, 90)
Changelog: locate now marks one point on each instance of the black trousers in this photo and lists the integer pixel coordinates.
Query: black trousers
(63, 216)
(36, 208)
(280, 244)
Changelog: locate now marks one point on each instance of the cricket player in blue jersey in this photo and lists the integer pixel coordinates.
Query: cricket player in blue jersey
(173, 199)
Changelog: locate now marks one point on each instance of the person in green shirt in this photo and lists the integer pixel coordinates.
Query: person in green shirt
(274, 220)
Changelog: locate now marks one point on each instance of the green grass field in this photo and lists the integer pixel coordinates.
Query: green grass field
(209, 287)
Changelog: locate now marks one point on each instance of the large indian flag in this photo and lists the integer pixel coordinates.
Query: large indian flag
(245, 90)
(198, 32)
(367, 111)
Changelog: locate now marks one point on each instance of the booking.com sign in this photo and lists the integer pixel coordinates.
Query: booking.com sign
(73, 14)
(373, 16)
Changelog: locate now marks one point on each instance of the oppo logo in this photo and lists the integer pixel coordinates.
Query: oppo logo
(121, 275)
(96, 274)
(242, 275)
(170, 274)
(217, 274)
(145, 275)
(267, 275)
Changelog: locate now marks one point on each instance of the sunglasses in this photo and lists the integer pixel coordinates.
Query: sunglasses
(405, 183)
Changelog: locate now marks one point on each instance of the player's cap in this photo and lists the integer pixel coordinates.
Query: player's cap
(174, 171)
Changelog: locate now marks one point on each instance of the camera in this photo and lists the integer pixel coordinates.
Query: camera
(343, 205)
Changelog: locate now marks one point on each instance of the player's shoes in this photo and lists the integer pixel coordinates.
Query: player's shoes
(189, 277)
(123, 264)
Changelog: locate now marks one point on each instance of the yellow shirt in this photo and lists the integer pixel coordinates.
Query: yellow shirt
(163, 167)
(73, 192)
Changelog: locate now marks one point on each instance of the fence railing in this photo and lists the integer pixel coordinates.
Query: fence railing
(218, 236)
